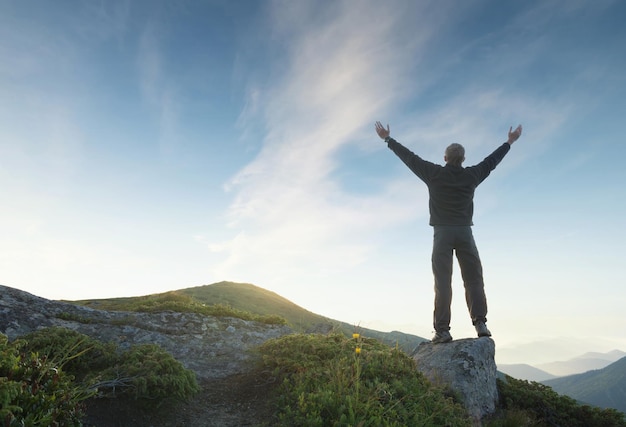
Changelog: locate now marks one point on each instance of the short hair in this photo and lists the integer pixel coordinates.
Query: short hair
(455, 154)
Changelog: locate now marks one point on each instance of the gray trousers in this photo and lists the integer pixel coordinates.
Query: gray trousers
(459, 239)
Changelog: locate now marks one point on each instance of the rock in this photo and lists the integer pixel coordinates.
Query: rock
(213, 347)
(468, 367)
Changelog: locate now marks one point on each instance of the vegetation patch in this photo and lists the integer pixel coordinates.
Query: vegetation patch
(525, 403)
(332, 380)
(36, 391)
(73, 317)
(253, 299)
(46, 376)
(179, 302)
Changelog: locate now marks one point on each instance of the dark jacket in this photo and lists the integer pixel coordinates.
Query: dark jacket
(451, 188)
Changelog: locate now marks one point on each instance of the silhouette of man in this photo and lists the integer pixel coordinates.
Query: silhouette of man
(451, 204)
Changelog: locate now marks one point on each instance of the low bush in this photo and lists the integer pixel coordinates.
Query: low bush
(146, 373)
(149, 374)
(78, 354)
(36, 392)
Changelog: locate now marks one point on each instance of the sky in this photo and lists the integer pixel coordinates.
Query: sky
(148, 146)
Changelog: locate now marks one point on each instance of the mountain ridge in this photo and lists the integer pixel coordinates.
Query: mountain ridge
(604, 387)
(254, 299)
(580, 364)
(524, 371)
(546, 371)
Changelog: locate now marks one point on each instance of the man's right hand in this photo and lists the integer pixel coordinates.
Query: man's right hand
(514, 134)
(381, 131)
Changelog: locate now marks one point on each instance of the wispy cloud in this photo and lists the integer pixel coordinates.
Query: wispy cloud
(335, 79)
(158, 88)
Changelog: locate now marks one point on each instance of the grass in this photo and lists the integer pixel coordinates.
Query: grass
(257, 300)
(180, 302)
(334, 380)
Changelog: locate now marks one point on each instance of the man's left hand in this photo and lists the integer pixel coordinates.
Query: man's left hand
(514, 134)
(381, 131)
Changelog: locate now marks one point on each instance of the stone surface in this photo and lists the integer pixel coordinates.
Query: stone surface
(467, 366)
(213, 347)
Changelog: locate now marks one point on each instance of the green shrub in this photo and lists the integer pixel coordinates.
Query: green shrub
(540, 405)
(82, 356)
(73, 317)
(336, 381)
(36, 392)
(145, 373)
(151, 375)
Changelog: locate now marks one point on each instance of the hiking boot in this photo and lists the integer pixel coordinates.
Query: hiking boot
(482, 330)
(441, 337)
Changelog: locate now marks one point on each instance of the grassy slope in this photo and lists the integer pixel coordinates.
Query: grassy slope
(256, 300)
(247, 297)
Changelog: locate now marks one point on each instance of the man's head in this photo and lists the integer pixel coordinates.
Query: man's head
(455, 154)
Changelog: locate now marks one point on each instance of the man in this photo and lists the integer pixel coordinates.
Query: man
(451, 204)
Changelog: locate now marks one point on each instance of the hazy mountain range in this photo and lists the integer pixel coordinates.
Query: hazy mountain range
(546, 371)
(604, 387)
(602, 381)
(586, 362)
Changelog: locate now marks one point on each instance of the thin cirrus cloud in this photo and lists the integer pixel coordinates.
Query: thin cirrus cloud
(158, 89)
(287, 201)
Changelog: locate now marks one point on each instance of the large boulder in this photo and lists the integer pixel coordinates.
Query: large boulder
(467, 366)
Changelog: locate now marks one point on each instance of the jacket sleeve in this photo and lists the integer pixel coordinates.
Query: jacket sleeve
(420, 167)
(484, 168)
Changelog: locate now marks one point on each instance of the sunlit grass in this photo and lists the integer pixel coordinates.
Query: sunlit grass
(178, 302)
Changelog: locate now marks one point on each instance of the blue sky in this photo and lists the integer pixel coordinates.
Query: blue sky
(147, 146)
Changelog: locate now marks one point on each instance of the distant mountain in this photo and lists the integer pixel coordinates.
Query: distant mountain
(256, 300)
(251, 298)
(547, 371)
(542, 351)
(248, 297)
(613, 356)
(525, 372)
(586, 362)
(605, 388)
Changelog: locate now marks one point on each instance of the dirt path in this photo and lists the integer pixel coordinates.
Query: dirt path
(236, 401)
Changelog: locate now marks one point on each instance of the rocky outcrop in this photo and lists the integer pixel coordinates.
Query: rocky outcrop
(213, 347)
(468, 367)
